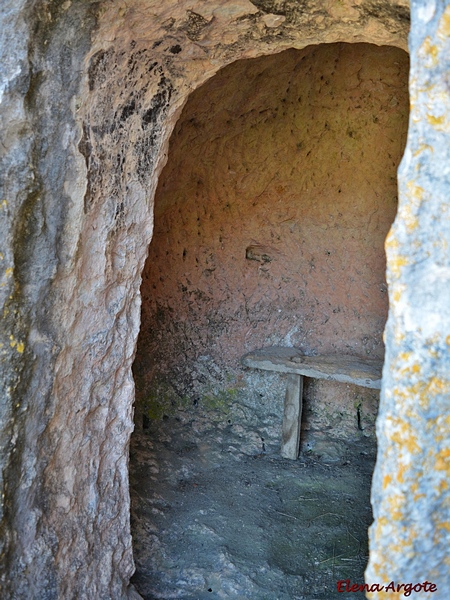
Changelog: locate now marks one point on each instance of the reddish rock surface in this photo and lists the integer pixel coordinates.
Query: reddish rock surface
(270, 220)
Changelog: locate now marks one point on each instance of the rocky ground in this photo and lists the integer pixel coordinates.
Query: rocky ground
(215, 516)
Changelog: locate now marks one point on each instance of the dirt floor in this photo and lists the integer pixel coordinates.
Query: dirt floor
(210, 521)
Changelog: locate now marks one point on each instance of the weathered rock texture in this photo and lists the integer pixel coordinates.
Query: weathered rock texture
(270, 221)
(411, 534)
(90, 93)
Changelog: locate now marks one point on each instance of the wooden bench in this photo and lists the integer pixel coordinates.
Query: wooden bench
(347, 369)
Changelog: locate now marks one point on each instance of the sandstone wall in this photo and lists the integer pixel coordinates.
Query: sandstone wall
(90, 94)
(270, 220)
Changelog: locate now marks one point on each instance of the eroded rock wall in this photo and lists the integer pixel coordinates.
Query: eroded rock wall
(75, 230)
(410, 537)
(43, 46)
(270, 220)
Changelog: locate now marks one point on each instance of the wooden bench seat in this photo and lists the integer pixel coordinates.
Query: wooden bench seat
(346, 369)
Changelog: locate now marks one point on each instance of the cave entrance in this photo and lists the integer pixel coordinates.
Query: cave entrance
(270, 220)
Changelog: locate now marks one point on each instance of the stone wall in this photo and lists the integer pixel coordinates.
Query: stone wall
(270, 220)
(410, 537)
(90, 93)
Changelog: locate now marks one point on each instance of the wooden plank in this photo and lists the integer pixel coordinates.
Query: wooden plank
(347, 369)
(290, 435)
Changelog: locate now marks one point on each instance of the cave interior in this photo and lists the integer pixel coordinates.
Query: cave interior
(270, 220)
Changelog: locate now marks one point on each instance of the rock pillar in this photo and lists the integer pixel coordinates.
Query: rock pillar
(410, 537)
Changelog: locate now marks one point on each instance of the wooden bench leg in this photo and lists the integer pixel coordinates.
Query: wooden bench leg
(290, 437)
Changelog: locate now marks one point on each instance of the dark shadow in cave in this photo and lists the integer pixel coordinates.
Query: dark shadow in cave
(292, 156)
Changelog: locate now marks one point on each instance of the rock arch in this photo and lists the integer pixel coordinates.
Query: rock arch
(89, 102)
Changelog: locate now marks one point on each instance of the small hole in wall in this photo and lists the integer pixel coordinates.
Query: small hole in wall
(291, 254)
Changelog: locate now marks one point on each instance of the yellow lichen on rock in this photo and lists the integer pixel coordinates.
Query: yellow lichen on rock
(443, 30)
